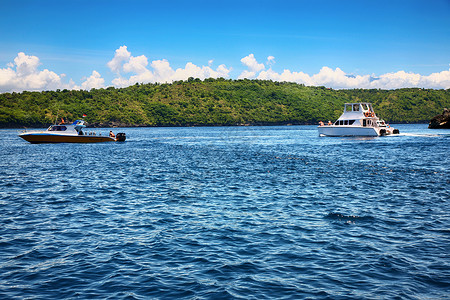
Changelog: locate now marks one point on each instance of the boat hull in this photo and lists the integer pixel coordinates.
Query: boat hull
(36, 138)
(358, 119)
(347, 131)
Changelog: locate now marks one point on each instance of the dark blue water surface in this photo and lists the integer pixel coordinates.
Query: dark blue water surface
(227, 212)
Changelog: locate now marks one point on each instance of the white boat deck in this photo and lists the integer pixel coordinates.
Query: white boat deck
(358, 119)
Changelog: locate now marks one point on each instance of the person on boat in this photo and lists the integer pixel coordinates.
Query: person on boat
(321, 123)
(111, 134)
(329, 123)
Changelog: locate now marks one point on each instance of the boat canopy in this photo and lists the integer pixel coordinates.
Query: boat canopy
(57, 128)
(357, 107)
(78, 122)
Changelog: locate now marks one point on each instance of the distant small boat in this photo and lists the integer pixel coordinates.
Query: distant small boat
(358, 119)
(65, 133)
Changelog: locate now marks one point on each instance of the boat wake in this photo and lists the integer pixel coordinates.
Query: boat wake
(423, 135)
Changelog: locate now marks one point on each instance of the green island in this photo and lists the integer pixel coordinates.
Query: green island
(213, 102)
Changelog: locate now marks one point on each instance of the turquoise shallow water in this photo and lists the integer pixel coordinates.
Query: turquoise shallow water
(227, 212)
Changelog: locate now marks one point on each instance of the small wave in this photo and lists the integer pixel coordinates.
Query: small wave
(203, 218)
(348, 218)
(245, 266)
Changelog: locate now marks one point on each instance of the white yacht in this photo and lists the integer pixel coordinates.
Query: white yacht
(358, 119)
(69, 133)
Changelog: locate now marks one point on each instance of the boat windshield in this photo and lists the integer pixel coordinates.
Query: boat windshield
(366, 107)
(57, 128)
(352, 107)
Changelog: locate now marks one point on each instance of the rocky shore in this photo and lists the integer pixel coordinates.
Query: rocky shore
(441, 121)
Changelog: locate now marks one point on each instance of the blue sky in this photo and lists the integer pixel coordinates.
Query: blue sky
(340, 44)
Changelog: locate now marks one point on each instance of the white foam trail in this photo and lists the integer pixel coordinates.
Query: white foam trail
(421, 134)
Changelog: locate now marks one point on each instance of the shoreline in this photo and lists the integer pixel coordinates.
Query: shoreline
(259, 124)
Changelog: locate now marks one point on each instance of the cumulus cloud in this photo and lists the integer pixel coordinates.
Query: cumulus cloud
(253, 67)
(338, 79)
(191, 70)
(93, 81)
(158, 71)
(162, 70)
(120, 56)
(402, 79)
(437, 80)
(25, 64)
(23, 74)
(136, 64)
(286, 75)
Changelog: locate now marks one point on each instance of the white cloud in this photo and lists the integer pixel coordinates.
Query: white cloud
(223, 71)
(191, 70)
(143, 77)
(247, 74)
(252, 64)
(26, 64)
(23, 74)
(159, 70)
(253, 67)
(437, 80)
(120, 56)
(7, 77)
(123, 62)
(93, 81)
(121, 82)
(136, 64)
(162, 70)
(287, 75)
(338, 79)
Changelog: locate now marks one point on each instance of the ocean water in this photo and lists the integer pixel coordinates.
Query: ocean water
(227, 213)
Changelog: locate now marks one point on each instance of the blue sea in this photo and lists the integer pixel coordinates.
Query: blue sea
(227, 213)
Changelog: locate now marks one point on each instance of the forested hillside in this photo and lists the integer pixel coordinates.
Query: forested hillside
(213, 102)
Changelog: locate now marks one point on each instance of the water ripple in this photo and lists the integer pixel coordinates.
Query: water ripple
(211, 213)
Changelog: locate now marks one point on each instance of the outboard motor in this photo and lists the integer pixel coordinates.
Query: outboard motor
(396, 131)
(121, 137)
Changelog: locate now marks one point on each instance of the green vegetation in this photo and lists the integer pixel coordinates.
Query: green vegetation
(214, 102)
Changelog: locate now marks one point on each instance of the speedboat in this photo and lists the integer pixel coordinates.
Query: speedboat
(358, 119)
(69, 133)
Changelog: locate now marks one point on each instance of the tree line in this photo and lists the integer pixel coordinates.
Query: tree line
(214, 102)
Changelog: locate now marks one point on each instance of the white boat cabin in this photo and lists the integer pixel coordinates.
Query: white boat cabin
(68, 129)
(361, 113)
(358, 119)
